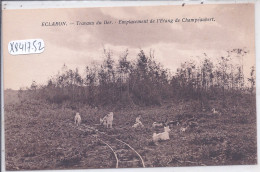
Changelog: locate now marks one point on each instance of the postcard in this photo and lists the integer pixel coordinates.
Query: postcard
(129, 87)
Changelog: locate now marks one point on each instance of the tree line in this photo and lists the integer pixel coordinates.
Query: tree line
(144, 81)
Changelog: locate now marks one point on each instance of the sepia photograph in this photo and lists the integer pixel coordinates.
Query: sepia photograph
(129, 87)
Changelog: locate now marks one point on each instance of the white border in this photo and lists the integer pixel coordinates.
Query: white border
(81, 4)
(107, 3)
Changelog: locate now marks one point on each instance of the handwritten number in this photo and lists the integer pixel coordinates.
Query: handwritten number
(35, 48)
(16, 47)
(40, 46)
(26, 46)
(29, 46)
(21, 46)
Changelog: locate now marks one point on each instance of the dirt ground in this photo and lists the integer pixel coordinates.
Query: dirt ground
(37, 136)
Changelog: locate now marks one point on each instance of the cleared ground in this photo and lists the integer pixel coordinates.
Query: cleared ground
(37, 135)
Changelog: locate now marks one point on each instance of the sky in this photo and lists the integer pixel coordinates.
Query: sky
(78, 46)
